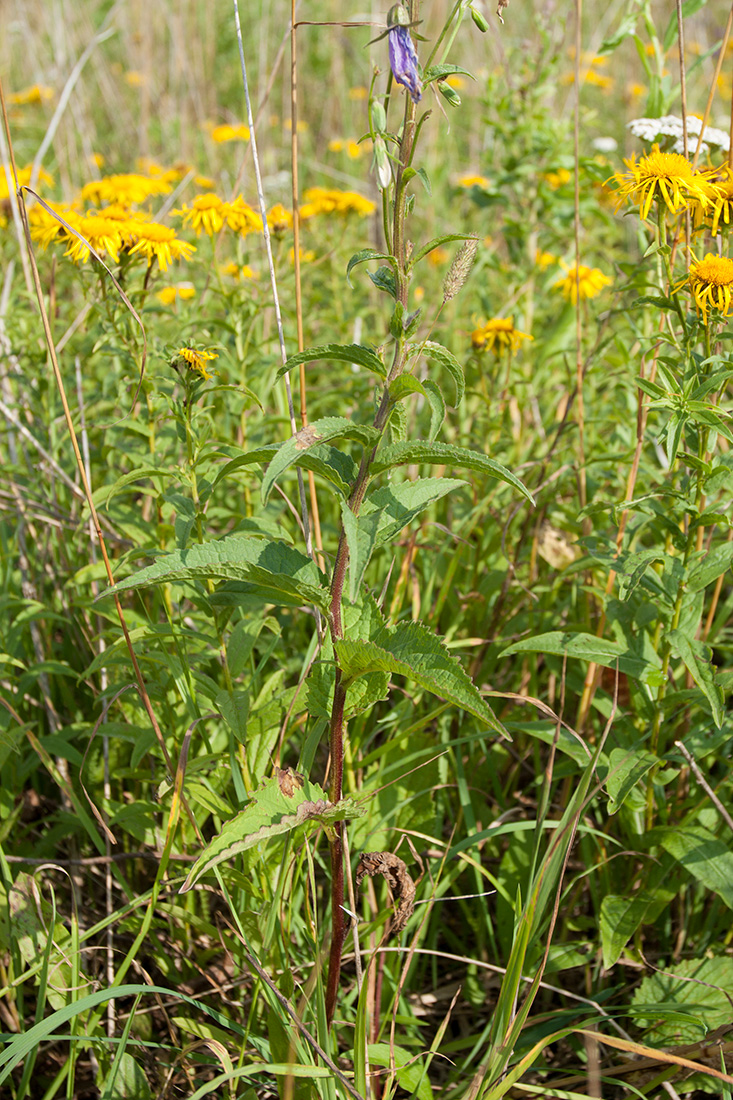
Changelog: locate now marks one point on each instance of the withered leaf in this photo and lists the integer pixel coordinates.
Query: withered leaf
(394, 871)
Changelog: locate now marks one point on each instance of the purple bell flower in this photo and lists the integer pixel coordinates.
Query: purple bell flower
(402, 55)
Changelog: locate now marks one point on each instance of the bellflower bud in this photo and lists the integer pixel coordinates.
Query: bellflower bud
(402, 55)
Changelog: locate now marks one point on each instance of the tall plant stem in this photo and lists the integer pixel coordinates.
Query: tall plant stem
(337, 727)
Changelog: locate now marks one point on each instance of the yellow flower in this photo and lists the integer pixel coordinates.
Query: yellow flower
(241, 218)
(438, 256)
(103, 234)
(237, 272)
(37, 93)
(206, 183)
(134, 78)
(224, 133)
(358, 93)
(279, 219)
(582, 281)
(159, 242)
(711, 283)
(455, 81)
(167, 295)
(544, 259)
(97, 160)
(474, 181)
(197, 360)
(321, 200)
(600, 81)
(720, 196)
(301, 128)
(307, 256)
(497, 334)
(207, 212)
(557, 179)
(635, 90)
(667, 176)
(44, 227)
(24, 178)
(126, 189)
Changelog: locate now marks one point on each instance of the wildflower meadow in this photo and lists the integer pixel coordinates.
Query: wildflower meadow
(366, 541)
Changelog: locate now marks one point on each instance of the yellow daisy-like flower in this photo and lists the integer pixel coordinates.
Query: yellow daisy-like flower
(127, 189)
(306, 256)
(134, 78)
(237, 272)
(224, 133)
(544, 259)
(557, 179)
(197, 360)
(635, 90)
(37, 93)
(322, 200)
(582, 281)
(667, 176)
(44, 227)
(207, 212)
(474, 181)
(159, 242)
(720, 201)
(103, 234)
(167, 295)
(711, 284)
(497, 334)
(24, 178)
(279, 219)
(241, 218)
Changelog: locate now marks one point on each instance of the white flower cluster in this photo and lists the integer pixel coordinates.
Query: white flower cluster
(651, 129)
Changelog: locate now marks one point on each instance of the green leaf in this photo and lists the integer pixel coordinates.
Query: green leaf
(439, 72)
(697, 658)
(398, 505)
(444, 454)
(588, 647)
(404, 385)
(285, 802)
(384, 279)
(437, 407)
(621, 916)
(706, 858)
(407, 1070)
(712, 566)
(361, 538)
(287, 576)
(341, 353)
(625, 768)
(414, 651)
(436, 243)
(361, 257)
(320, 431)
(695, 999)
(689, 8)
(436, 353)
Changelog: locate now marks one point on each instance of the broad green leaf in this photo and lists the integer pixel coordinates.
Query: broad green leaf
(706, 858)
(281, 573)
(625, 768)
(589, 648)
(439, 72)
(436, 353)
(341, 353)
(689, 7)
(444, 454)
(285, 802)
(320, 431)
(414, 651)
(404, 385)
(384, 279)
(104, 494)
(400, 504)
(697, 996)
(361, 257)
(361, 538)
(407, 1069)
(697, 658)
(621, 916)
(712, 566)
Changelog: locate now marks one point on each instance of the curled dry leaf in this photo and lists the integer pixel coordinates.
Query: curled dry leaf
(395, 872)
(502, 4)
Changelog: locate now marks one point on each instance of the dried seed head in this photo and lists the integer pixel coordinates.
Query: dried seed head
(460, 269)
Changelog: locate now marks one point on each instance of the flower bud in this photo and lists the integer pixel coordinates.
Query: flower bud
(448, 93)
(381, 163)
(379, 116)
(480, 20)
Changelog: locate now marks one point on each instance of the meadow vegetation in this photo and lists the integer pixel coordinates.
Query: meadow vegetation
(366, 544)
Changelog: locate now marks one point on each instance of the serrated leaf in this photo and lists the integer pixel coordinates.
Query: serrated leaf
(444, 454)
(361, 257)
(285, 802)
(404, 385)
(320, 431)
(414, 651)
(436, 353)
(400, 504)
(287, 575)
(341, 353)
(601, 651)
(697, 659)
